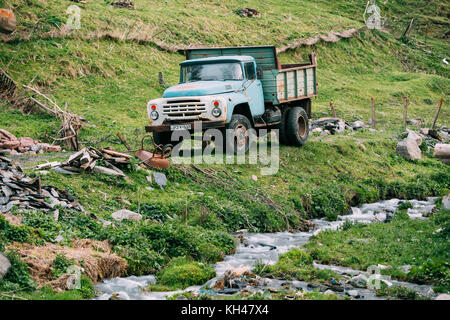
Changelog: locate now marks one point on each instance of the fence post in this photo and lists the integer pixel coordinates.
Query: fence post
(332, 109)
(437, 113)
(405, 111)
(373, 113)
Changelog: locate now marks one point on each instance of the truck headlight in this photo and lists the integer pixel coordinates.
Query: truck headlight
(154, 115)
(216, 112)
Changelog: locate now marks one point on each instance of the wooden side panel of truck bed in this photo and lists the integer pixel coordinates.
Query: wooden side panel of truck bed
(280, 83)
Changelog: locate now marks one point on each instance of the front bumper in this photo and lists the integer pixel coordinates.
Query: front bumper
(195, 125)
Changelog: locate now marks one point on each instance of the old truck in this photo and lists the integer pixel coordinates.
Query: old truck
(237, 88)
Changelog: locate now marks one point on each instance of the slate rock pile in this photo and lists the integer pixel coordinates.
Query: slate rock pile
(249, 12)
(123, 4)
(18, 189)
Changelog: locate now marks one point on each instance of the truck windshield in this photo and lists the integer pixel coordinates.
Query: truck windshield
(212, 72)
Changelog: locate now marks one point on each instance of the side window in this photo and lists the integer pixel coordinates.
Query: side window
(250, 70)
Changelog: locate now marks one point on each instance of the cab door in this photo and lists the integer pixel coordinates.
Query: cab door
(253, 90)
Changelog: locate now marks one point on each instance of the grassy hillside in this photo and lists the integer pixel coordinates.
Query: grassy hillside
(108, 70)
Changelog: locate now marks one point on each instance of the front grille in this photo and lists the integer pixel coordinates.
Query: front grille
(183, 108)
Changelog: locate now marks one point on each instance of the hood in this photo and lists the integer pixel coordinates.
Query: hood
(201, 88)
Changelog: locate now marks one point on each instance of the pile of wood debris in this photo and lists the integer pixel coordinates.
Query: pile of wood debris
(88, 159)
(29, 99)
(10, 144)
(18, 189)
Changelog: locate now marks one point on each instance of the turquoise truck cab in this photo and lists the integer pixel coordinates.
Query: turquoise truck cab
(238, 89)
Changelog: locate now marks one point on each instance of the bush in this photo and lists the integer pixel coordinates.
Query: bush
(296, 257)
(18, 276)
(327, 201)
(181, 272)
(10, 233)
(60, 265)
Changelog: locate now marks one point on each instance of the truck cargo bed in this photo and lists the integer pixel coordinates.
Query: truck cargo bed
(281, 83)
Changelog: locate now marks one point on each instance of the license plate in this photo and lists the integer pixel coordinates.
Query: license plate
(180, 127)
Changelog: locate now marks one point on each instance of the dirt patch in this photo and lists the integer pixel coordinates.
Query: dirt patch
(94, 257)
(14, 220)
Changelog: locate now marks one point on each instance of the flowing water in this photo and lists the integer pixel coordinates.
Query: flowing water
(266, 247)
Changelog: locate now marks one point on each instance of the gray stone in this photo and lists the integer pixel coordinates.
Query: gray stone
(446, 202)
(443, 296)
(353, 293)
(328, 292)
(409, 149)
(405, 268)
(414, 136)
(4, 265)
(59, 239)
(125, 214)
(359, 281)
(160, 179)
(105, 223)
(181, 297)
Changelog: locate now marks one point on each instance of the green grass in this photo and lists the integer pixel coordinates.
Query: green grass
(423, 244)
(182, 273)
(109, 79)
(295, 265)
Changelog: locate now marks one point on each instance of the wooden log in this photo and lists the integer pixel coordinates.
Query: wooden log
(373, 112)
(124, 141)
(107, 171)
(442, 151)
(86, 158)
(405, 111)
(436, 115)
(116, 153)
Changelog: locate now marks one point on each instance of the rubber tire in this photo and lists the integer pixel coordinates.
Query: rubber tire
(236, 119)
(293, 128)
(282, 135)
(162, 138)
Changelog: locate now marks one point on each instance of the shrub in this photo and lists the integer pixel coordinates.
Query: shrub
(18, 276)
(60, 265)
(183, 272)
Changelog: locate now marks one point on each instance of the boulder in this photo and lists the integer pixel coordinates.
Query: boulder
(359, 281)
(443, 296)
(160, 179)
(414, 136)
(409, 149)
(446, 202)
(4, 265)
(8, 21)
(125, 214)
(353, 293)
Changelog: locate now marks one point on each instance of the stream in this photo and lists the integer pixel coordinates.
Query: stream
(266, 247)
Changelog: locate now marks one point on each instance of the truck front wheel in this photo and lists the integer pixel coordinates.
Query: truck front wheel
(163, 138)
(297, 126)
(237, 135)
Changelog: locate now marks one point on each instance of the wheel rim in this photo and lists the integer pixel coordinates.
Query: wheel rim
(240, 136)
(302, 126)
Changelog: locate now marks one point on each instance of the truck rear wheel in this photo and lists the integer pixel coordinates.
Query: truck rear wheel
(237, 137)
(282, 127)
(297, 126)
